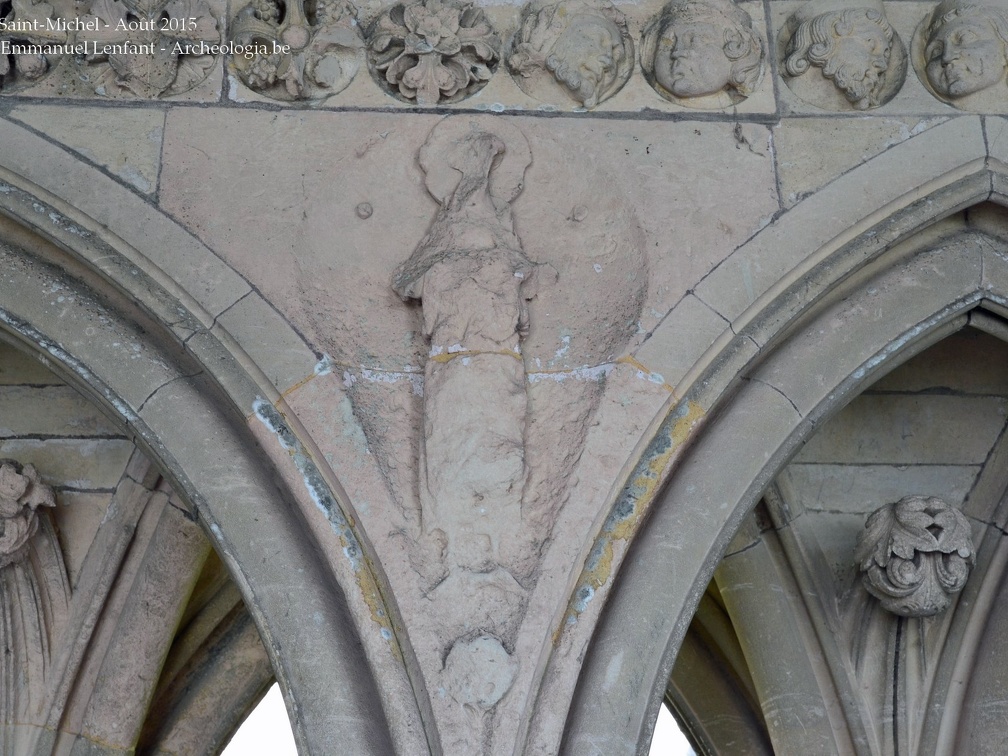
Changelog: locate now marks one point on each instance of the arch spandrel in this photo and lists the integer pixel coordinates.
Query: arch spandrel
(759, 406)
(186, 389)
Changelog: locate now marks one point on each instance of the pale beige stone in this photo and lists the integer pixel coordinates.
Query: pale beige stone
(804, 166)
(275, 347)
(174, 252)
(78, 515)
(859, 488)
(960, 53)
(949, 148)
(50, 411)
(130, 149)
(907, 429)
(73, 463)
(18, 368)
(680, 339)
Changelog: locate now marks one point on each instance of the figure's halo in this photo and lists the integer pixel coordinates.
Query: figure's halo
(508, 175)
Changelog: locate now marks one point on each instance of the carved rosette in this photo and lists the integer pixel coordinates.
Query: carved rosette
(702, 53)
(148, 48)
(915, 554)
(21, 493)
(432, 52)
(324, 41)
(581, 47)
(26, 24)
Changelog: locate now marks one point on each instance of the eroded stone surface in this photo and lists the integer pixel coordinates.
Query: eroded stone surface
(839, 57)
(579, 50)
(915, 554)
(132, 151)
(960, 52)
(703, 53)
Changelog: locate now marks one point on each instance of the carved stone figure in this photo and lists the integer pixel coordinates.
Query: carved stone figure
(21, 493)
(699, 48)
(325, 48)
(966, 49)
(148, 48)
(433, 51)
(28, 23)
(582, 45)
(841, 57)
(915, 554)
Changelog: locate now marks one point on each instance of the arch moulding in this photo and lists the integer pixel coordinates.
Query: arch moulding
(136, 329)
(835, 293)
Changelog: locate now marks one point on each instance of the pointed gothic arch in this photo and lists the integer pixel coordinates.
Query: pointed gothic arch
(747, 405)
(137, 330)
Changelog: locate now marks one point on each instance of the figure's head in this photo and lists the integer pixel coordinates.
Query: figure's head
(584, 46)
(852, 47)
(967, 48)
(701, 47)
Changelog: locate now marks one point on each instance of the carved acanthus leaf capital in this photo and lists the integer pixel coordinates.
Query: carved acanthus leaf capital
(21, 493)
(915, 554)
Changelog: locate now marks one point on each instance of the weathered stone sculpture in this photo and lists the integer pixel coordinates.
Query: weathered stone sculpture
(841, 57)
(325, 48)
(966, 50)
(21, 493)
(147, 48)
(473, 280)
(433, 51)
(27, 24)
(696, 49)
(581, 45)
(915, 554)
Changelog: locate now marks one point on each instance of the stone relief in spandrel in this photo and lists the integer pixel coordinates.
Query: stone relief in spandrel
(960, 53)
(576, 51)
(702, 53)
(842, 56)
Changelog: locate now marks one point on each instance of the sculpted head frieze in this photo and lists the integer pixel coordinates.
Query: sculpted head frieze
(582, 45)
(853, 50)
(915, 554)
(966, 49)
(698, 48)
(433, 51)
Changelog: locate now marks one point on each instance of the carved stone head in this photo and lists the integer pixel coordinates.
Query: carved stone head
(966, 48)
(584, 46)
(915, 554)
(850, 47)
(696, 48)
(21, 493)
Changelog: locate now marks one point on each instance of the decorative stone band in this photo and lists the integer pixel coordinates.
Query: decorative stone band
(563, 54)
(21, 493)
(915, 555)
